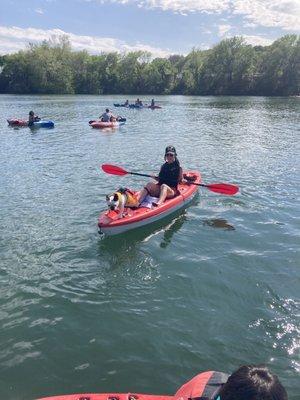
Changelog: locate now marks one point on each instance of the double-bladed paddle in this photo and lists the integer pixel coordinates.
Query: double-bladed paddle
(223, 188)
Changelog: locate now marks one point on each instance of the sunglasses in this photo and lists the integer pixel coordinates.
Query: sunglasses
(170, 154)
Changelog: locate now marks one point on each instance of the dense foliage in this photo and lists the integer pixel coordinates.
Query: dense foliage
(231, 67)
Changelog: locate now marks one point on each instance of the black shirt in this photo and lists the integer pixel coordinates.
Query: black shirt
(169, 174)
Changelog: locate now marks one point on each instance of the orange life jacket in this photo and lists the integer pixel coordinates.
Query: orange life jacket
(131, 200)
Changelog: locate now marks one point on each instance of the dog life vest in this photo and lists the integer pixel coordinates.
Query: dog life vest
(204, 386)
(131, 200)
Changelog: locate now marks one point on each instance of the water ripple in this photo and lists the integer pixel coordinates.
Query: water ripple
(212, 287)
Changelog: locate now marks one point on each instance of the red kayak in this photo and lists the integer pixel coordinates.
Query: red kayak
(17, 122)
(205, 385)
(101, 124)
(109, 222)
(109, 396)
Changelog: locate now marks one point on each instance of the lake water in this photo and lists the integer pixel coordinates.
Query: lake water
(213, 288)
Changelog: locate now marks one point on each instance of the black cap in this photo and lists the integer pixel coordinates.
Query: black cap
(170, 149)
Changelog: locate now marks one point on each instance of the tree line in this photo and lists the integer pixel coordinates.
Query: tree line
(232, 67)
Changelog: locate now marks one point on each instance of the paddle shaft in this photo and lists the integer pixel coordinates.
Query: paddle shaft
(136, 173)
(150, 176)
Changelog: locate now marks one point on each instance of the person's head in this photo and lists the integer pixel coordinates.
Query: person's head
(31, 113)
(107, 110)
(170, 154)
(252, 382)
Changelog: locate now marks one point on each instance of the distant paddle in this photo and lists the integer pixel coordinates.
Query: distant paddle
(222, 188)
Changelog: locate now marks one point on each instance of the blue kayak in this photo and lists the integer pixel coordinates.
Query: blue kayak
(43, 124)
(135, 106)
(36, 124)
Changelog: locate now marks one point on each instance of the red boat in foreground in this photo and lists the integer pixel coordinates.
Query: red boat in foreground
(205, 386)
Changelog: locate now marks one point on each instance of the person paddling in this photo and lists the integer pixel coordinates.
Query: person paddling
(107, 116)
(168, 179)
(32, 118)
(139, 102)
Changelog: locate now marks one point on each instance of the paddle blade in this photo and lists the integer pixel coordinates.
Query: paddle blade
(223, 188)
(113, 169)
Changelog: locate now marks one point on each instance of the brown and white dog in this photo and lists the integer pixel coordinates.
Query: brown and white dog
(120, 199)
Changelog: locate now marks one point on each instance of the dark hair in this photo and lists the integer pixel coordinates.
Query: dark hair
(107, 110)
(253, 382)
(31, 113)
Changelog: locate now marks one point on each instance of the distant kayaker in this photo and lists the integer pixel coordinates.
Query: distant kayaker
(32, 118)
(152, 103)
(107, 116)
(126, 104)
(138, 102)
(168, 178)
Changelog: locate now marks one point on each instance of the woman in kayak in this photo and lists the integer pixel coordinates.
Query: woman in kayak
(169, 176)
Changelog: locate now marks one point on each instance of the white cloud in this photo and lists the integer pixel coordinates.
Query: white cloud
(257, 40)
(205, 31)
(271, 13)
(14, 38)
(39, 11)
(284, 14)
(249, 25)
(188, 5)
(180, 6)
(223, 29)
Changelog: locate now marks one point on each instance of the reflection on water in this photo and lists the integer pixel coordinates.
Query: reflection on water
(118, 243)
(172, 228)
(107, 130)
(219, 223)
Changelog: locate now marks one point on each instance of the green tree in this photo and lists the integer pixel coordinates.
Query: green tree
(158, 76)
(230, 67)
(130, 71)
(279, 69)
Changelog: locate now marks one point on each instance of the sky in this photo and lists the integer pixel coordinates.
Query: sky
(162, 27)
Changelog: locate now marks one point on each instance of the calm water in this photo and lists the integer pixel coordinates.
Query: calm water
(213, 288)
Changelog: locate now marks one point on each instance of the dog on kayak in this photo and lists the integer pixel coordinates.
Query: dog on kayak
(120, 199)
